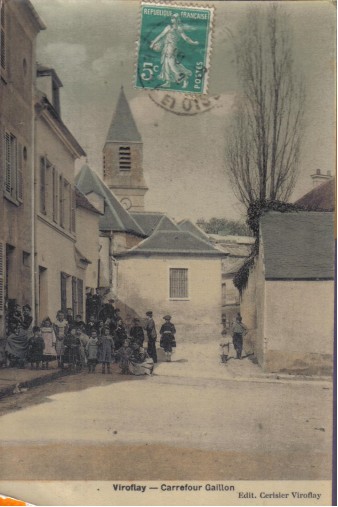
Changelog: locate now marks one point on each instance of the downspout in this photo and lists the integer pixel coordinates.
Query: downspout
(33, 210)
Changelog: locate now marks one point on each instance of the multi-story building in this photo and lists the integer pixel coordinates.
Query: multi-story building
(20, 25)
(60, 265)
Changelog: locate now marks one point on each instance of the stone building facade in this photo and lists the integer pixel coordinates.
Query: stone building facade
(123, 158)
(60, 266)
(20, 25)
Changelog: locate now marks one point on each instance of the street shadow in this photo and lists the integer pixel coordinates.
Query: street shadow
(69, 382)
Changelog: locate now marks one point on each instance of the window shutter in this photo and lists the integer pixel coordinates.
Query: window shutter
(43, 185)
(55, 194)
(14, 165)
(74, 296)
(64, 292)
(7, 157)
(73, 210)
(19, 187)
(80, 296)
(3, 58)
(2, 278)
(61, 200)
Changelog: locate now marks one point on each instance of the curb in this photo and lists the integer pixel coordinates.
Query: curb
(8, 391)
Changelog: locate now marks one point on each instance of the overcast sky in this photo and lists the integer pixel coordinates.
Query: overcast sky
(91, 45)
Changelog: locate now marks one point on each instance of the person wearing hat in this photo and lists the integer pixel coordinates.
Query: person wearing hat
(168, 337)
(136, 332)
(151, 335)
(238, 331)
(107, 311)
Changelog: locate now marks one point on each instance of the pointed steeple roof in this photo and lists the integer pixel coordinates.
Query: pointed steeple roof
(123, 127)
(115, 217)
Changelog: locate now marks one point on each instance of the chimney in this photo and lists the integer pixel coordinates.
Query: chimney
(318, 178)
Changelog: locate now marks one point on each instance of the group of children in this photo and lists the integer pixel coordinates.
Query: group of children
(103, 339)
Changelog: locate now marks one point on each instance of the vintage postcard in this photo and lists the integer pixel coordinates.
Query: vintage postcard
(167, 241)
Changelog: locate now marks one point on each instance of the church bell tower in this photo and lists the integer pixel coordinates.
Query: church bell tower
(123, 158)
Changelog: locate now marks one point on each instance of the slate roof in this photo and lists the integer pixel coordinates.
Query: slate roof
(189, 226)
(115, 217)
(123, 127)
(154, 221)
(298, 245)
(320, 198)
(173, 243)
(82, 202)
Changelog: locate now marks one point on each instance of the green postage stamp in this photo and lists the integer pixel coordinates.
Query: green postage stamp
(174, 47)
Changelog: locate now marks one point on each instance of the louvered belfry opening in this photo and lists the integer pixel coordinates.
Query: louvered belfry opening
(124, 158)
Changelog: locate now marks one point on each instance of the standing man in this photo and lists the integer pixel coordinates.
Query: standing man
(168, 337)
(152, 336)
(136, 333)
(238, 331)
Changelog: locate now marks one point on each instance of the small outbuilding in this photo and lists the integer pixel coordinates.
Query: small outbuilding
(175, 272)
(288, 304)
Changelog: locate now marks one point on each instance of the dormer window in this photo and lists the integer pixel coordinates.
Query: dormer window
(124, 158)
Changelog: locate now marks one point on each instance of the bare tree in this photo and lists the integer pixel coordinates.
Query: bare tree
(264, 136)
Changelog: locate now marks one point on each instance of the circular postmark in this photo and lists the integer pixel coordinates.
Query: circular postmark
(184, 104)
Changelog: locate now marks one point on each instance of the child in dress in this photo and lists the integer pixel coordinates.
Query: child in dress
(92, 350)
(49, 339)
(106, 350)
(61, 329)
(36, 347)
(123, 356)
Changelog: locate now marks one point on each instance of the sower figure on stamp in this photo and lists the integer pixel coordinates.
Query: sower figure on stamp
(172, 70)
(151, 335)
(168, 337)
(238, 331)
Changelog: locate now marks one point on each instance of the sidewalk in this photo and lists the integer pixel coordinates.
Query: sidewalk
(189, 361)
(202, 360)
(12, 380)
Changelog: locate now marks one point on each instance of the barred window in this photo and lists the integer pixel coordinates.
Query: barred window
(178, 281)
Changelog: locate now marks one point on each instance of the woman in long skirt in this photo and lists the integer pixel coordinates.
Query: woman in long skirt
(140, 363)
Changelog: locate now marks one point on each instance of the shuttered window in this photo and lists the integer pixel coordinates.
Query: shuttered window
(64, 277)
(80, 296)
(7, 156)
(77, 296)
(19, 187)
(74, 296)
(43, 167)
(13, 166)
(55, 177)
(73, 210)
(2, 278)
(61, 202)
(3, 49)
(178, 283)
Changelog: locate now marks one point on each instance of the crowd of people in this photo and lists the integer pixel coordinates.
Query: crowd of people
(103, 339)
